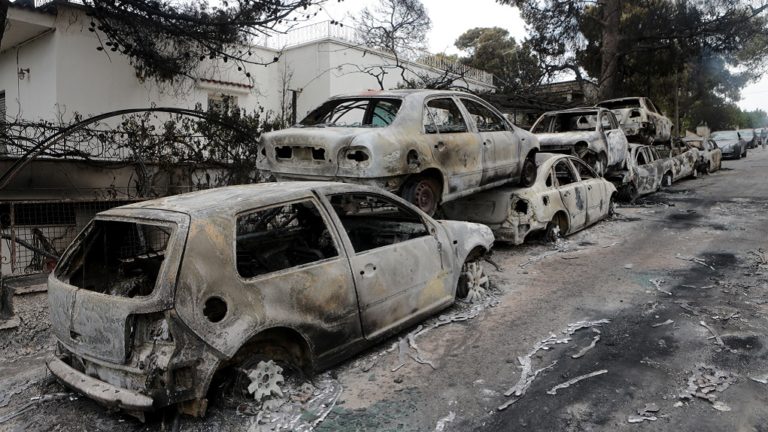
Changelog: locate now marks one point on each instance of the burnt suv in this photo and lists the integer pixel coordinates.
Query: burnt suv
(152, 299)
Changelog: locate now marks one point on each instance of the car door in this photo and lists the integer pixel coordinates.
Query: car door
(501, 147)
(715, 154)
(597, 202)
(456, 150)
(647, 174)
(614, 137)
(573, 193)
(401, 268)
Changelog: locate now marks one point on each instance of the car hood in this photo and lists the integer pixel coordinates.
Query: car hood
(467, 236)
(567, 138)
(726, 144)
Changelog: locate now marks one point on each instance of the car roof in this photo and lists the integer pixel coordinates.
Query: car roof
(234, 199)
(400, 93)
(621, 99)
(576, 110)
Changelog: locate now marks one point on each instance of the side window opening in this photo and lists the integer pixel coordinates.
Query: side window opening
(282, 237)
(443, 116)
(585, 172)
(641, 157)
(485, 119)
(373, 221)
(549, 179)
(564, 173)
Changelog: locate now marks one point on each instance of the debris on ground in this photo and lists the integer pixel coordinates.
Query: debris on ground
(762, 379)
(440, 427)
(698, 261)
(34, 401)
(687, 307)
(658, 283)
(584, 350)
(716, 336)
(553, 390)
(761, 258)
(706, 382)
(667, 322)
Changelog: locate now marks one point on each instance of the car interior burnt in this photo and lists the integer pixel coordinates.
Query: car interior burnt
(564, 173)
(117, 258)
(282, 237)
(443, 116)
(283, 152)
(373, 221)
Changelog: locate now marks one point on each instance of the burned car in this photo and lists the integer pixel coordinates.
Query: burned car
(644, 172)
(731, 143)
(568, 196)
(428, 146)
(710, 155)
(152, 299)
(593, 134)
(641, 121)
(685, 159)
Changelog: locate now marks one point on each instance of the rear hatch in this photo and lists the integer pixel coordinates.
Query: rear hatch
(121, 267)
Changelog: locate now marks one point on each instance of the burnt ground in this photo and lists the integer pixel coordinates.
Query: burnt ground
(696, 241)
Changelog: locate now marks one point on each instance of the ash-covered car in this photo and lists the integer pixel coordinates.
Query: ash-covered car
(593, 134)
(568, 196)
(710, 155)
(644, 172)
(153, 300)
(428, 146)
(749, 136)
(686, 160)
(731, 144)
(641, 121)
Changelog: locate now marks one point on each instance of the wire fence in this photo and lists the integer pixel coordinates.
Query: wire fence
(33, 234)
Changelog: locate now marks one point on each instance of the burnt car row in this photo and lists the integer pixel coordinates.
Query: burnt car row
(384, 204)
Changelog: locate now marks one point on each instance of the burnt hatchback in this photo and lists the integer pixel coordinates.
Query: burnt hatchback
(428, 146)
(152, 299)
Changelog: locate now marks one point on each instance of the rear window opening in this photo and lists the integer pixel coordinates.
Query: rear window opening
(117, 258)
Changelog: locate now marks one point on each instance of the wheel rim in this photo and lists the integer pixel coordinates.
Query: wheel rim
(477, 282)
(424, 196)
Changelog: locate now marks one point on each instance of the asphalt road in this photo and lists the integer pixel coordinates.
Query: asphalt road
(684, 255)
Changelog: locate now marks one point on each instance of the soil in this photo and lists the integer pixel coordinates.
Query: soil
(695, 240)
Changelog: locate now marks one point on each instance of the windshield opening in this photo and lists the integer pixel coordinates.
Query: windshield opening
(723, 135)
(374, 112)
(620, 104)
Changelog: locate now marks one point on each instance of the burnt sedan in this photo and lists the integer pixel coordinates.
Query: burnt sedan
(568, 196)
(428, 146)
(152, 299)
(709, 153)
(644, 172)
(593, 134)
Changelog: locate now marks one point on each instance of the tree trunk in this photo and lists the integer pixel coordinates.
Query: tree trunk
(3, 15)
(609, 50)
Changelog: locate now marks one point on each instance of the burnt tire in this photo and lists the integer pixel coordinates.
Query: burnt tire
(666, 180)
(473, 281)
(556, 228)
(612, 206)
(528, 175)
(424, 193)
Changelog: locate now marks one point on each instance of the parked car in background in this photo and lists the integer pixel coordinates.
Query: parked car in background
(428, 146)
(731, 144)
(710, 155)
(568, 196)
(642, 122)
(645, 172)
(593, 134)
(153, 300)
(685, 159)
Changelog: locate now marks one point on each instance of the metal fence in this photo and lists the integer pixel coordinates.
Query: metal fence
(34, 233)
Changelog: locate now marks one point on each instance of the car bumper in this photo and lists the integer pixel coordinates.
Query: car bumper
(515, 231)
(100, 391)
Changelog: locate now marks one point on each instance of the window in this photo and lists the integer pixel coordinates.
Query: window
(356, 112)
(605, 121)
(485, 119)
(564, 173)
(372, 221)
(221, 103)
(585, 172)
(443, 116)
(282, 237)
(640, 157)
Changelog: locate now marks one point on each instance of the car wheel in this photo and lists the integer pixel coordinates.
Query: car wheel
(424, 193)
(695, 173)
(528, 177)
(612, 207)
(473, 281)
(556, 228)
(708, 169)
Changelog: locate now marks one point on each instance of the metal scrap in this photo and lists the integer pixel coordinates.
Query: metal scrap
(760, 379)
(639, 419)
(658, 283)
(553, 390)
(584, 350)
(266, 380)
(33, 402)
(667, 322)
(440, 427)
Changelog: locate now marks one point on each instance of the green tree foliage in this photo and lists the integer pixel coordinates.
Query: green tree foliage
(515, 67)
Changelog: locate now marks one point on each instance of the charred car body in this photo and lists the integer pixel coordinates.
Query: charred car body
(731, 144)
(710, 155)
(593, 134)
(568, 196)
(152, 299)
(645, 171)
(686, 160)
(641, 121)
(428, 146)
